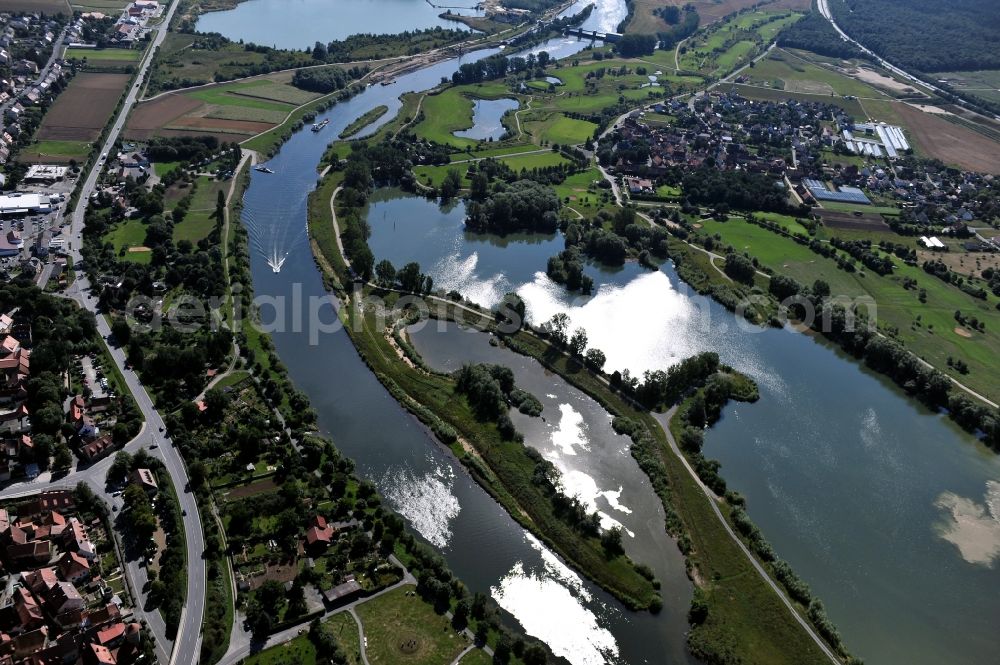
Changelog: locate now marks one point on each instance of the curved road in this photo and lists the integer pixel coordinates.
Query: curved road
(186, 643)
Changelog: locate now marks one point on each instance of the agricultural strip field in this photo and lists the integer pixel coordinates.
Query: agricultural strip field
(116, 55)
(229, 111)
(103, 6)
(83, 108)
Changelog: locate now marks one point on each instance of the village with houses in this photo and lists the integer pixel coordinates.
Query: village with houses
(63, 598)
(811, 150)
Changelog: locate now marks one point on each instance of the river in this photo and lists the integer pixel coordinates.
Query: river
(418, 477)
(883, 508)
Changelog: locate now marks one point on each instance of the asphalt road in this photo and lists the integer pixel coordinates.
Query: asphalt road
(186, 645)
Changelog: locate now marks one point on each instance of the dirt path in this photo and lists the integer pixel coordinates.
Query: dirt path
(664, 421)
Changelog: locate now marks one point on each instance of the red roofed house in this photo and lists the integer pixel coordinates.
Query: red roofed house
(28, 611)
(97, 448)
(77, 540)
(319, 533)
(74, 568)
(112, 635)
(99, 655)
(64, 598)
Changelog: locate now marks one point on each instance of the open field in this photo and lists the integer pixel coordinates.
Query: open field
(557, 128)
(925, 328)
(230, 111)
(789, 70)
(47, 6)
(59, 152)
(452, 111)
(434, 175)
(93, 55)
(581, 193)
(127, 238)
(710, 11)
(83, 108)
(984, 84)
(180, 61)
(200, 221)
(404, 630)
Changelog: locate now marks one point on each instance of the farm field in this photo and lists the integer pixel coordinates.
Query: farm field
(82, 110)
(927, 329)
(47, 6)
(230, 111)
(60, 152)
(404, 630)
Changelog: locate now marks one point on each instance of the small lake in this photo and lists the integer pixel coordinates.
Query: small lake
(487, 116)
(297, 24)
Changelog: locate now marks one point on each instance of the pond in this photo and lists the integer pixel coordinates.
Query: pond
(487, 116)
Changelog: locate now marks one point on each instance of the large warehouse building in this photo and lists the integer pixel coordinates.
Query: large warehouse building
(24, 204)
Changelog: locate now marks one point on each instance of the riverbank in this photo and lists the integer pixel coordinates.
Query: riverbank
(743, 608)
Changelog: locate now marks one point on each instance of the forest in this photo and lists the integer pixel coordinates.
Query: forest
(925, 35)
(814, 33)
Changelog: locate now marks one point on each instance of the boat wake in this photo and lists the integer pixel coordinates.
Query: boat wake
(273, 242)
